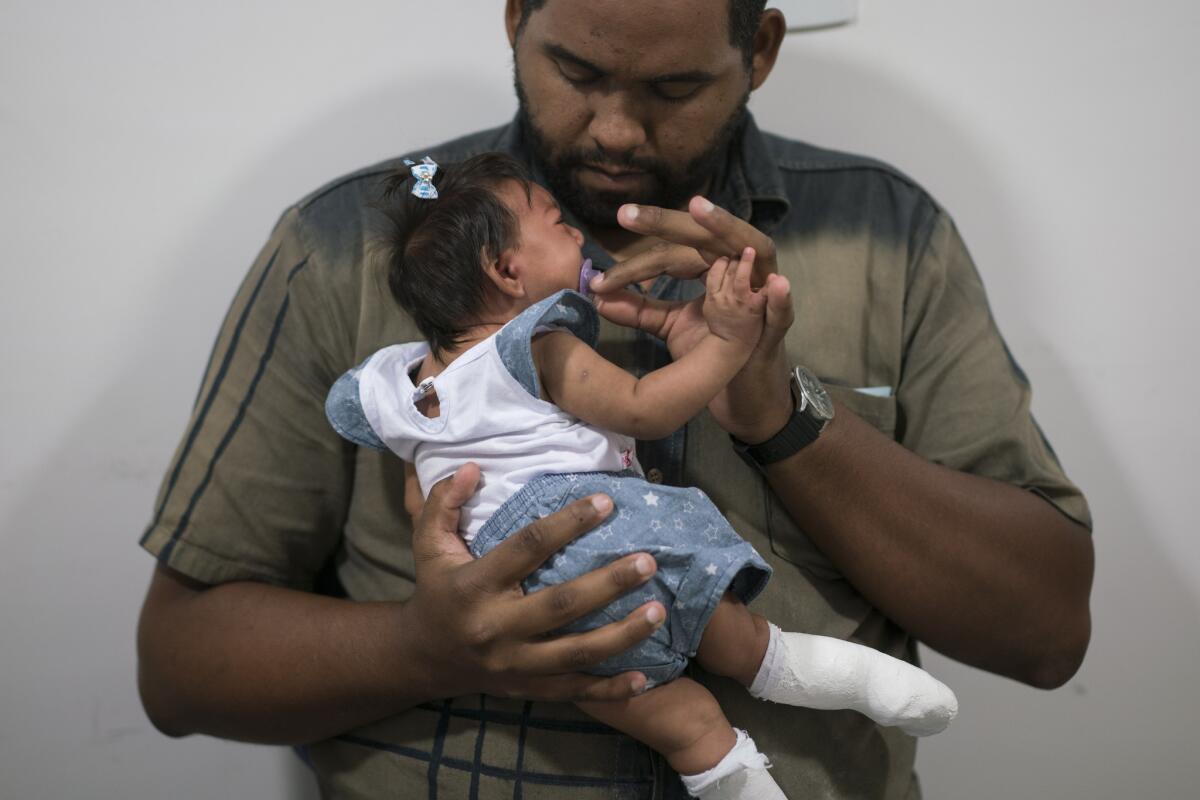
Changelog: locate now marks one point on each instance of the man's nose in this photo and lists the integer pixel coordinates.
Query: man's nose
(616, 125)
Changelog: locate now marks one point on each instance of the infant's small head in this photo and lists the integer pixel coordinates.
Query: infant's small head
(492, 239)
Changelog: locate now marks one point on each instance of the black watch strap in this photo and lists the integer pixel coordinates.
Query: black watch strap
(801, 430)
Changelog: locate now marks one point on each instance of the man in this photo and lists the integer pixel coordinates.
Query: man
(928, 508)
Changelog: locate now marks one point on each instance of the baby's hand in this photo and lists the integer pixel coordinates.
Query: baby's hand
(734, 312)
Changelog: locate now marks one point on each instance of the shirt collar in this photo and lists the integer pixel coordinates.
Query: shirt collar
(752, 184)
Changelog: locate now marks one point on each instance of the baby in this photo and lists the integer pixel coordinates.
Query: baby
(482, 260)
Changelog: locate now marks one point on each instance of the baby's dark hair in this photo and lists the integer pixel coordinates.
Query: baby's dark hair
(433, 248)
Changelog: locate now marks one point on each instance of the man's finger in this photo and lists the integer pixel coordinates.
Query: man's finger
(575, 687)
(664, 258)
(673, 226)
(731, 230)
(579, 651)
(620, 687)
(635, 310)
(734, 233)
(435, 537)
(780, 313)
(524, 551)
(555, 606)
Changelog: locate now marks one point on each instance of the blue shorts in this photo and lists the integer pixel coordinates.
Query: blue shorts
(699, 556)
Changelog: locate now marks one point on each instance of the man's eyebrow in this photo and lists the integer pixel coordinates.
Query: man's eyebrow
(690, 76)
(558, 51)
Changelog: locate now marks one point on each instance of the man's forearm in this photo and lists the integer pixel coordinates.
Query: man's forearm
(980, 570)
(260, 663)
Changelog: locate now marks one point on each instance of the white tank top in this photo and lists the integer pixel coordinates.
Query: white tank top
(490, 412)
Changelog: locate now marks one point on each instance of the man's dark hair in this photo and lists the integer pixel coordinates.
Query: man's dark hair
(744, 16)
(433, 248)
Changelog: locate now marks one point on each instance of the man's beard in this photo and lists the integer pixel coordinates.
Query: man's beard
(670, 187)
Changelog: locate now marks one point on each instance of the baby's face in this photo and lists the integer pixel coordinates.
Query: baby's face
(550, 248)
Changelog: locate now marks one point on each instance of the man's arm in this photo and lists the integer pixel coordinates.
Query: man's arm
(979, 569)
(261, 663)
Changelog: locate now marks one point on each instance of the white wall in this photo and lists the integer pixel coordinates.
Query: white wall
(149, 147)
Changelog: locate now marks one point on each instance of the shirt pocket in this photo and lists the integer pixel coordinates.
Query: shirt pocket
(879, 411)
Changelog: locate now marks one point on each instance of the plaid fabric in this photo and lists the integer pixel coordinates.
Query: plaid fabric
(262, 488)
(484, 747)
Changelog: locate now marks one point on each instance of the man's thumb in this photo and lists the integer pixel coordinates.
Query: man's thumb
(779, 311)
(436, 535)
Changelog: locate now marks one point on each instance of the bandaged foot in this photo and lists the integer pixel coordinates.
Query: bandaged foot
(821, 672)
(740, 775)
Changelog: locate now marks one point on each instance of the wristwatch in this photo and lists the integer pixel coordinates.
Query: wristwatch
(813, 411)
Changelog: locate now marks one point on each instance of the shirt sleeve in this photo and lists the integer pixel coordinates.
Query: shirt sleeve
(344, 410)
(565, 310)
(963, 400)
(258, 487)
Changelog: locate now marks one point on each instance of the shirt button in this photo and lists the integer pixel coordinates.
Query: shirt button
(655, 475)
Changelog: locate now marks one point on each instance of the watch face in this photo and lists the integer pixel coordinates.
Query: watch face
(814, 393)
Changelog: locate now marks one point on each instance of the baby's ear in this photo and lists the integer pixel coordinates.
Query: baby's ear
(505, 271)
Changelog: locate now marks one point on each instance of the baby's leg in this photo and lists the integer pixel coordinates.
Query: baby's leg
(680, 719)
(734, 641)
(683, 721)
(822, 672)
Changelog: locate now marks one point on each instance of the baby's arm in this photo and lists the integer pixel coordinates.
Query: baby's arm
(582, 382)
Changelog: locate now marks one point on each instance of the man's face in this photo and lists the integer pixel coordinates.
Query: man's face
(629, 101)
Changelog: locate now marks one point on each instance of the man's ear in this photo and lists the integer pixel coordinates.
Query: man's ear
(771, 29)
(505, 272)
(512, 19)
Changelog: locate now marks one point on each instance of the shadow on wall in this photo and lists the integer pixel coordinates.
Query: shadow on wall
(1123, 726)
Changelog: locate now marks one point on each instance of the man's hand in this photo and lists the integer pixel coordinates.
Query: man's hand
(757, 402)
(689, 243)
(478, 632)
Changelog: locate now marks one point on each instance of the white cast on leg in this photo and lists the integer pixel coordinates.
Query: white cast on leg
(740, 775)
(821, 672)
